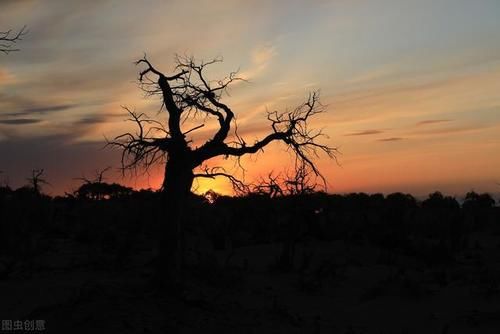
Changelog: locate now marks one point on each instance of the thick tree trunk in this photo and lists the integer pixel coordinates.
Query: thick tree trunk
(176, 191)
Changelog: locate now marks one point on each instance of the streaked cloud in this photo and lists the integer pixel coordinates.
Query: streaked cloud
(99, 118)
(391, 139)
(19, 121)
(453, 130)
(41, 110)
(384, 76)
(260, 60)
(6, 77)
(433, 121)
(365, 133)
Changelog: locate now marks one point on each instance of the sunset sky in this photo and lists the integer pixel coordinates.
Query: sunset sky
(412, 87)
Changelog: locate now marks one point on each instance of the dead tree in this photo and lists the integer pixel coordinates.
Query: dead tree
(270, 187)
(294, 184)
(36, 181)
(301, 182)
(93, 188)
(187, 95)
(8, 40)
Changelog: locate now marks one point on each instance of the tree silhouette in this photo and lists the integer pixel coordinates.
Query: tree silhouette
(35, 181)
(188, 95)
(271, 186)
(436, 200)
(298, 182)
(478, 201)
(8, 40)
(301, 181)
(97, 189)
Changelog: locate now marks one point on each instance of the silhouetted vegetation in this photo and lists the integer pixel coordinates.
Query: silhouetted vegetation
(189, 97)
(313, 240)
(9, 39)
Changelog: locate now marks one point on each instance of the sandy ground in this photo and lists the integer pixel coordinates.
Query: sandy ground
(74, 291)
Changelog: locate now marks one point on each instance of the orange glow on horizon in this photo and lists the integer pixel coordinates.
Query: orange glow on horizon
(412, 107)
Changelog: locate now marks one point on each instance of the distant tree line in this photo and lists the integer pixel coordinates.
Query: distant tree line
(115, 221)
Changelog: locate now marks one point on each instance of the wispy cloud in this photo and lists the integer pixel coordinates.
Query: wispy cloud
(261, 58)
(453, 130)
(42, 110)
(98, 118)
(78, 52)
(6, 77)
(391, 139)
(373, 75)
(59, 155)
(365, 133)
(433, 121)
(19, 121)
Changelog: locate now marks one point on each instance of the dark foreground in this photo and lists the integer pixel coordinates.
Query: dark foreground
(306, 264)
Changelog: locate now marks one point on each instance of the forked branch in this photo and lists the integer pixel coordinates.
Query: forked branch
(187, 95)
(146, 146)
(291, 128)
(239, 187)
(8, 39)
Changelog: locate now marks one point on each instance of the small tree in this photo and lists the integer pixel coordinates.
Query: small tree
(35, 181)
(476, 201)
(189, 95)
(92, 188)
(271, 186)
(301, 181)
(8, 40)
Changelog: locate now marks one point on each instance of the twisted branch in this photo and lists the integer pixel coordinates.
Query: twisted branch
(239, 187)
(9, 39)
(142, 148)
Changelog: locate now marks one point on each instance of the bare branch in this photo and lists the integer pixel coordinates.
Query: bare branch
(291, 128)
(239, 187)
(36, 180)
(203, 95)
(99, 176)
(141, 148)
(8, 40)
(194, 129)
(188, 94)
(301, 182)
(269, 186)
